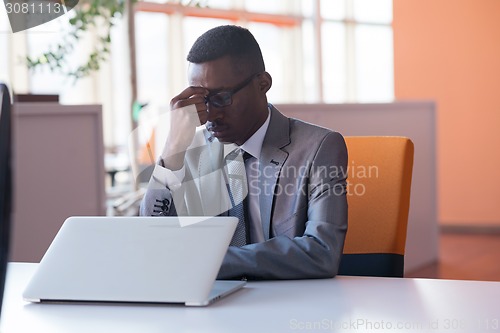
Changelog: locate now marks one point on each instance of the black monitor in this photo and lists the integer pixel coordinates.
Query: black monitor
(5, 183)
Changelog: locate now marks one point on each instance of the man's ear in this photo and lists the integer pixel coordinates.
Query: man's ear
(265, 82)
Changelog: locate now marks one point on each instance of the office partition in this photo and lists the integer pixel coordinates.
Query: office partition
(59, 164)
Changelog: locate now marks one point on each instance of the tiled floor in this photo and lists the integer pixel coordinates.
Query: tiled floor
(465, 257)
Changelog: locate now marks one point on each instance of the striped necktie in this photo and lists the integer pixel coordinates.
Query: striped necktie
(238, 190)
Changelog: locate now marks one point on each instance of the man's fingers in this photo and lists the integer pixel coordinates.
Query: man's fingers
(203, 116)
(190, 91)
(201, 107)
(198, 102)
(190, 95)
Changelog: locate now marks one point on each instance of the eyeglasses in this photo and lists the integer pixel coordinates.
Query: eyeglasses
(225, 98)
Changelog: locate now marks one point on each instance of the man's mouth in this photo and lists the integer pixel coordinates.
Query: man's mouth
(215, 128)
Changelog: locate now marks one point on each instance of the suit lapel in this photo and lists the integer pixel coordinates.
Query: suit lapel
(272, 158)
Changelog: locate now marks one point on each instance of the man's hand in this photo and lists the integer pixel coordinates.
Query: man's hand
(188, 110)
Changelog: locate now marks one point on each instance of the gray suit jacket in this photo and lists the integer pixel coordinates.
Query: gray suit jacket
(302, 186)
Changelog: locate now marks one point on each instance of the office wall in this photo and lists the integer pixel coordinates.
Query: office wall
(449, 51)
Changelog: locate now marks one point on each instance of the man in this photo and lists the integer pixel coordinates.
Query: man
(295, 216)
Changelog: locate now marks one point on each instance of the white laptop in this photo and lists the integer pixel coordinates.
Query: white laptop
(135, 260)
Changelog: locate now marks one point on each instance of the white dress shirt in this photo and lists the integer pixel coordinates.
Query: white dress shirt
(253, 146)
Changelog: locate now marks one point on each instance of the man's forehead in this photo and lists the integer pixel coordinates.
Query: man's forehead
(213, 75)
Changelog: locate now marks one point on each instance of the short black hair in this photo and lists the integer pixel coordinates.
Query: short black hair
(228, 40)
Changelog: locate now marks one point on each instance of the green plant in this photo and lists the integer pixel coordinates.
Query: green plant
(100, 14)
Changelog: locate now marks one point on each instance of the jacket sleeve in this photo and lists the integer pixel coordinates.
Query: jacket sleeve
(162, 187)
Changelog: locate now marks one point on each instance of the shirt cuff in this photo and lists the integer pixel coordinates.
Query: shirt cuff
(169, 178)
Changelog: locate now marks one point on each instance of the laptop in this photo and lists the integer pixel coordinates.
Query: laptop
(158, 260)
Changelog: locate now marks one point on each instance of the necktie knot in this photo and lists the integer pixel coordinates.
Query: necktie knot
(246, 156)
(234, 154)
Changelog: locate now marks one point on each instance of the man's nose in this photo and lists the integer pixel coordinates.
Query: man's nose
(214, 113)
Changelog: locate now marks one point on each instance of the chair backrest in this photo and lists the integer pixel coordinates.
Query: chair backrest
(379, 183)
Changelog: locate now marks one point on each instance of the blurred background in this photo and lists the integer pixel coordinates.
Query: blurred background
(318, 52)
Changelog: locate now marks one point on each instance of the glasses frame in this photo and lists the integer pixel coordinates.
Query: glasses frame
(227, 95)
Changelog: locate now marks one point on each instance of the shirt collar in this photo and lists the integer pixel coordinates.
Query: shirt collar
(253, 145)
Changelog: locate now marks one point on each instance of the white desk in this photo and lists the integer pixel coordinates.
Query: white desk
(343, 304)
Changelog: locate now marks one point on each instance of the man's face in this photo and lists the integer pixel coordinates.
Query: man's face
(236, 122)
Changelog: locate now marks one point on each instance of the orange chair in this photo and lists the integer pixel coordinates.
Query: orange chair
(379, 183)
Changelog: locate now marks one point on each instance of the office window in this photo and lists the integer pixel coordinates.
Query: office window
(152, 56)
(272, 38)
(334, 62)
(374, 50)
(374, 11)
(42, 80)
(266, 6)
(194, 26)
(309, 69)
(362, 54)
(333, 9)
(374, 64)
(219, 4)
(331, 51)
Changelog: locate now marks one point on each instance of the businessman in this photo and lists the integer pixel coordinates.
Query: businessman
(290, 192)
